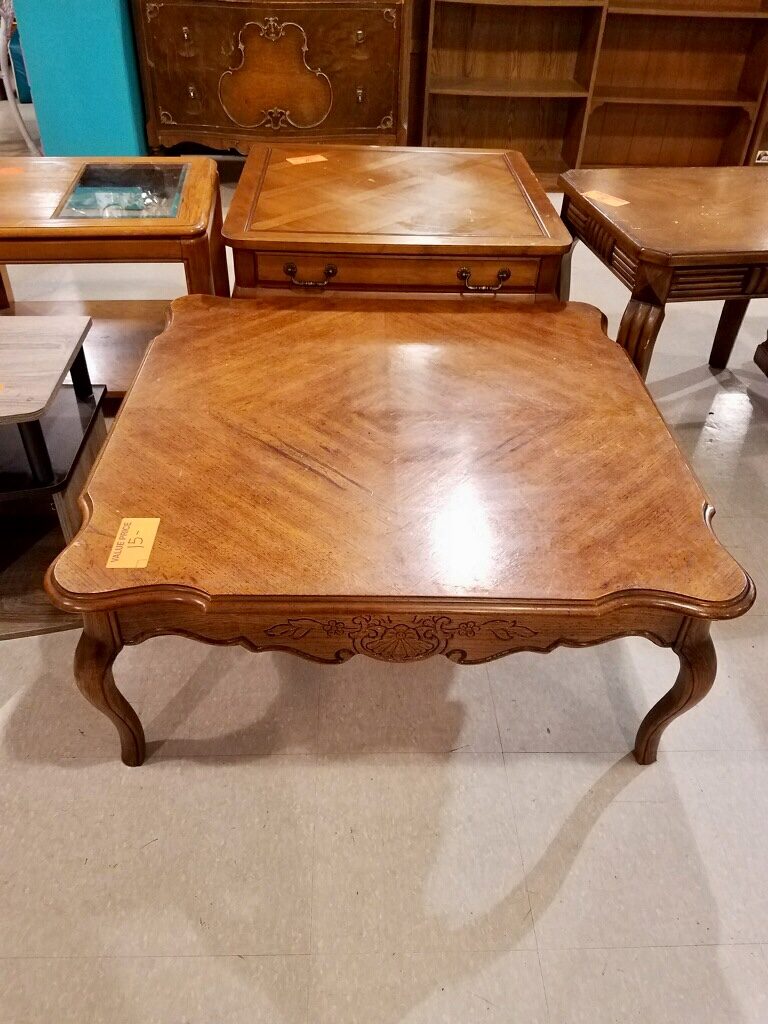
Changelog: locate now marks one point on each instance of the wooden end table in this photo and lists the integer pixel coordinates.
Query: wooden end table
(674, 234)
(50, 432)
(408, 219)
(397, 479)
(52, 210)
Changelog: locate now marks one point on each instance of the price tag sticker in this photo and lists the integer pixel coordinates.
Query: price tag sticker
(315, 158)
(605, 198)
(133, 544)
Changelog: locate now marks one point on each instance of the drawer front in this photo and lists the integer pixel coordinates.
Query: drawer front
(278, 71)
(393, 273)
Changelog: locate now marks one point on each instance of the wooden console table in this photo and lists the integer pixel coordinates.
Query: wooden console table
(674, 235)
(396, 219)
(398, 479)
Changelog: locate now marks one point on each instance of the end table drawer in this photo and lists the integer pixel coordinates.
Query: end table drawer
(455, 274)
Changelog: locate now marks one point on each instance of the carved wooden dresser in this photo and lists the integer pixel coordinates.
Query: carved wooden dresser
(224, 73)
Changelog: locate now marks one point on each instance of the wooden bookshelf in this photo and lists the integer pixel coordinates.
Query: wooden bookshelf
(758, 146)
(596, 83)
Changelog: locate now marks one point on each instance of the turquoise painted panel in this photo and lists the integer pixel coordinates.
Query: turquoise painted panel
(81, 63)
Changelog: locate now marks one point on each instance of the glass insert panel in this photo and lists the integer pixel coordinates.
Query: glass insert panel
(126, 190)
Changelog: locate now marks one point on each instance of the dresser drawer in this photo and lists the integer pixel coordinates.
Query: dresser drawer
(299, 270)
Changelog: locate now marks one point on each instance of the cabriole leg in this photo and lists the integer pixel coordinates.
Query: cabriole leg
(698, 665)
(96, 651)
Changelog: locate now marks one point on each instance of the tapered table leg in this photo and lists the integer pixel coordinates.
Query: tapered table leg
(96, 651)
(727, 331)
(698, 665)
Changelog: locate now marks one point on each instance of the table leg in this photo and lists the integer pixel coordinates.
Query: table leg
(67, 500)
(33, 439)
(6, 292)
(81, 379)
(218, 253)
(564, 277)
(698, 665)
(638, 332)
(96, 651)
(205, 260)
(197, 267)
(727, 330)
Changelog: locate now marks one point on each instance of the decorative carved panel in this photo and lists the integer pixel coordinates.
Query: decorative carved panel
(225, 74)
(274, 85)
(404, 638)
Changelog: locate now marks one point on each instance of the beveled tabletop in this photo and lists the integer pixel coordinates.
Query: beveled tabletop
(34, 190)
(389, 199)
(434, 449)
(677, 214)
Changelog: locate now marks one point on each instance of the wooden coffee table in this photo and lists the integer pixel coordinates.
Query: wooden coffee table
(674, 234)
(407, 219)
(398, 479)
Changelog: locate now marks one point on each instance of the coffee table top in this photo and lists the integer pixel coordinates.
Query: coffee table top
(435, 449)
(36, 353)
(675, 215)
(401, 200)
(34, 193)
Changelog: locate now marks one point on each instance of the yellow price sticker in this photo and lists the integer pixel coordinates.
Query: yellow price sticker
(605, 198)
(315, 158)
(133, 543)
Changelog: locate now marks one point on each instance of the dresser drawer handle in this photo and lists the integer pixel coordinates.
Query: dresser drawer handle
(501, 276)
(291, 270)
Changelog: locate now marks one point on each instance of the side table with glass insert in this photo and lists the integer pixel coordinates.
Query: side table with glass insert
(113, 210)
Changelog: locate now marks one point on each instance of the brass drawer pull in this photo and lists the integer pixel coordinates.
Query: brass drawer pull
(501, 276)
(291, 270)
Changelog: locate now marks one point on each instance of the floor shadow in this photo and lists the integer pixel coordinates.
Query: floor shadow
(294, 691)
